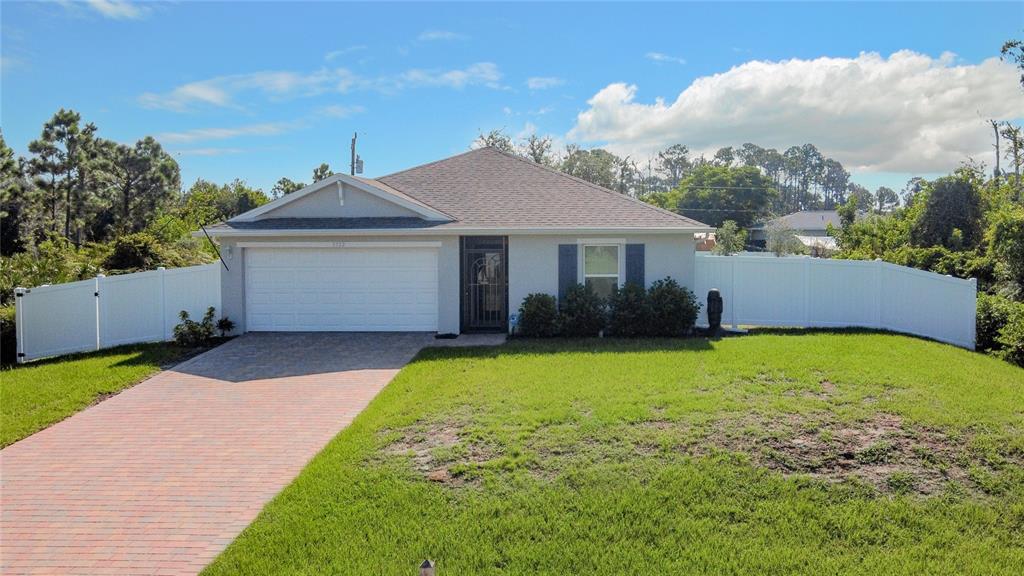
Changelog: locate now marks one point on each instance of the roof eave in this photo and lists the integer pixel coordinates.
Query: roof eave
(409, 203)
(452, 231)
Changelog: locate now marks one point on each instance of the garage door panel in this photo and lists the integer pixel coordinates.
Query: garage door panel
(340, 289)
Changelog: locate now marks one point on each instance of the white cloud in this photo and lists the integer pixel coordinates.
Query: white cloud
(662, 57)
(205, 92)
(206, 134)
(344, 51)
(481, 73)
(543, 82)
(222, 91)
(435, 35)
(113, 9)
(906, 113)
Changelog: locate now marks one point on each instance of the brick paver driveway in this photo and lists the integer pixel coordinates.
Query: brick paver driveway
(160, 478)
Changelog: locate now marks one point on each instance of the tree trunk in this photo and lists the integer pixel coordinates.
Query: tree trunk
(67, 206)
(995, 128)
(126, 192)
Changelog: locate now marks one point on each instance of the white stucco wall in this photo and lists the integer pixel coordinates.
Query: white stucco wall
(532, 267)
(533, 261)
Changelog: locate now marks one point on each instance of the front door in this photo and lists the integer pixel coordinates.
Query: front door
(484, 283)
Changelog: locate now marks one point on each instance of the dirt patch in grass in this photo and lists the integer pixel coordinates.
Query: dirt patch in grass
(440, 451)
(882, 451)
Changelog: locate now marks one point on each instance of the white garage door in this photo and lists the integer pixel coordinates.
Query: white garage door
(341, 289)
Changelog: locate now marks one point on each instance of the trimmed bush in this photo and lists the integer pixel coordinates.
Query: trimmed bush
(673, 309)
(583, 313)
(628, 311)
(538, 316)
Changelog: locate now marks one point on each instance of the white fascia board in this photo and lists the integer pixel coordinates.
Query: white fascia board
(445, 231)
(424, 211)
(340, 244)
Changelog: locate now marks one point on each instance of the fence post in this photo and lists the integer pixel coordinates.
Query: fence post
(96, 297)
(732, 291)
(807, 291)
(19, 324)
(879, 289)
(163, 302)
(973, 330)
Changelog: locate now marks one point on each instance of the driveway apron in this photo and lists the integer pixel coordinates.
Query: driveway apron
(161, 478)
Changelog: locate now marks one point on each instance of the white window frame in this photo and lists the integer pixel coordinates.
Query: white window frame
(581, 267)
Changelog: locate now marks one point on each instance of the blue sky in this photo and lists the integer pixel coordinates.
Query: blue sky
(263, 90)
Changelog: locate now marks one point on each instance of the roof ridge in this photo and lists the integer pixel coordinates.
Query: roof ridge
(592, 185)
(418, 166)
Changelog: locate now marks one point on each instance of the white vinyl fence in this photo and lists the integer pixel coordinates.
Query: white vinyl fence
(815, 292)
(110, 311)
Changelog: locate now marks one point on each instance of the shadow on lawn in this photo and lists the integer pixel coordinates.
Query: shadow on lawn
(537, 346)
(165, 354)
(851, 331)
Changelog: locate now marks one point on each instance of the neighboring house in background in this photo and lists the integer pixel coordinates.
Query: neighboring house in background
(451, 246)
(706, 241)
(810, 227)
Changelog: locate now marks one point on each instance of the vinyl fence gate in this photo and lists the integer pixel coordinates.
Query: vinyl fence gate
(111, 310)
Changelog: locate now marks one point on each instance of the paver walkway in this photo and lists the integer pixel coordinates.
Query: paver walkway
(160, 478)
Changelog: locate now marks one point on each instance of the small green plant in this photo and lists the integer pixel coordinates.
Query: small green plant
(538, 316)
(901, 482)
(673, 308)
(191, 333)
(225, 325)
(729, 239)
(629, 312)
(583, 312)
(876, 453)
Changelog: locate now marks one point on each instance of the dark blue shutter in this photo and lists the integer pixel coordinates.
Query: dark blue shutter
(567, 264)
(635, 264)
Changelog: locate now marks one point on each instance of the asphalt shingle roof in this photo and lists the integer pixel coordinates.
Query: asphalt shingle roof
(486, 188)
(809, 220)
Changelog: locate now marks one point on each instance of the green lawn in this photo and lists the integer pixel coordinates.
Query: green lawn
(36, 395)
(809, 453)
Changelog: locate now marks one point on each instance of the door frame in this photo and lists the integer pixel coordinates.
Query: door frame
(464, 325)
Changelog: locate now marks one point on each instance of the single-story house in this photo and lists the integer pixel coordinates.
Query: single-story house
(810, 227)
(451, 246)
